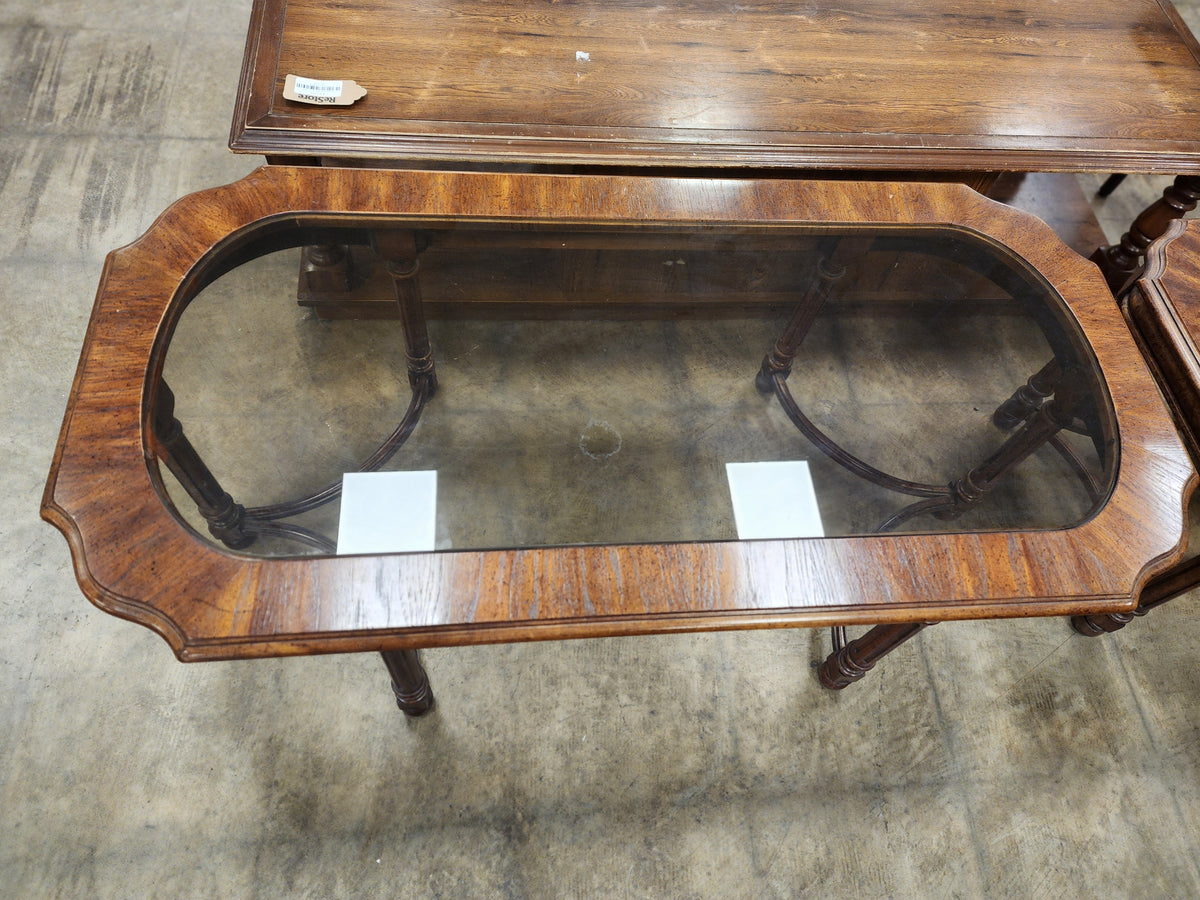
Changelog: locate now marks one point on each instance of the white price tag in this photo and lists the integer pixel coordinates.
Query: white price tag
(322, 92)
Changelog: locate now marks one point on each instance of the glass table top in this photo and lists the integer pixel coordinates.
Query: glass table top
(605, 385)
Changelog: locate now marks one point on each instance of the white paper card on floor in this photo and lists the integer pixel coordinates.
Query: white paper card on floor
(387, 512)
(774, 500)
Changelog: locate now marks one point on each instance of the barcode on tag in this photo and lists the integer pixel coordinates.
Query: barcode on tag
(322, 92)
(312, 87)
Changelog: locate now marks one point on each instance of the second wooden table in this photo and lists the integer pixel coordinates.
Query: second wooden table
(1076, 85)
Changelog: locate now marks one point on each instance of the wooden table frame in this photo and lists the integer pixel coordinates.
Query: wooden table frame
(868, 86)
(940, 90)
(1163, 311)
(135, 559)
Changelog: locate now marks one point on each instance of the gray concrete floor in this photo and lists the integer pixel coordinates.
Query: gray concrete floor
(981, 760)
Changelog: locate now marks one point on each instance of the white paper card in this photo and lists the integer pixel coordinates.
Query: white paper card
(387, 512)
(774, 500)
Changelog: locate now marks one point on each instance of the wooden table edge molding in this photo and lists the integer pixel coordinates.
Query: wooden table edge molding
(134, 558)
(266, 123)
(816, 156)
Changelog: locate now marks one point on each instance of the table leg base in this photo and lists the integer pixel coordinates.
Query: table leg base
(1094, 626)
(410, 683)
(1161, 589)
(850, 663)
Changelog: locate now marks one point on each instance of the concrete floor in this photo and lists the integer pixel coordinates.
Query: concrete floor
(980, 760)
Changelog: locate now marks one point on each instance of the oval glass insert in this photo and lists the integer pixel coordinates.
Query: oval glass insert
(524, 387)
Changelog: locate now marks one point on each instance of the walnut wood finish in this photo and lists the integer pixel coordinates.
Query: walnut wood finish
(1164, 312)
(135, 559)
(1160, 590)
(932, 90)
(864, 85)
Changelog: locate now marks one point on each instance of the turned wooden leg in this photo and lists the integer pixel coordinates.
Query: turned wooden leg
(1042, 426)
(1165, 587)
(326, 269)
(1029, 397)
(778, 360)
(1111, 183)
(226, 519)
(400, 251)
(326, 278)
(1094, 626)
(848, 664)
(410, 684)
(1122, 262)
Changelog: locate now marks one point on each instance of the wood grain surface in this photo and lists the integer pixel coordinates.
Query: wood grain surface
(135, 559)
(1071, 85)
(1164, 309)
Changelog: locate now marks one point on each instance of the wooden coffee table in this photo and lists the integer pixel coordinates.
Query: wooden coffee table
(902, 546)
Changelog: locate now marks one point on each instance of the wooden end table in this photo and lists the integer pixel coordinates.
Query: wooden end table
(1163, 311)
(940, 91)
(866, 257)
